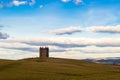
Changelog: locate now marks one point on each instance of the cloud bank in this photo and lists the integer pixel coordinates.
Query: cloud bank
(63, 47)
(65, 43)
(75, 42)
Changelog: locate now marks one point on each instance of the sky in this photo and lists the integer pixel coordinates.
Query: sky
(75, 29)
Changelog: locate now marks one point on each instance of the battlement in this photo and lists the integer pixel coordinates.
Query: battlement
(44, 52)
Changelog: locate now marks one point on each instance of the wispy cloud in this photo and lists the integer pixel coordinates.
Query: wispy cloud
(65, 0)
(78, 1)
(75, 1)
(96, 29)
(106, 29)
(18, 3)
(68, 30)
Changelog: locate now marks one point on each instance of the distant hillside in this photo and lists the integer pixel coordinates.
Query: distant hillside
(56, 69)
(109, 60)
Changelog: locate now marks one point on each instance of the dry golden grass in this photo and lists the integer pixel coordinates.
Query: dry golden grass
(56, 69)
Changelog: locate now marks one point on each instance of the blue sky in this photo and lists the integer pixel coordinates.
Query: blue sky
(71, 28)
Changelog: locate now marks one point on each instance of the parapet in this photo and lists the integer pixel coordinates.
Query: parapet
(44, 52)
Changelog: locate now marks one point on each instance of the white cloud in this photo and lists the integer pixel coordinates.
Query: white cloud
(78, 1)
(18, 3)
(105, 29)
(69, 30)
(65, 0)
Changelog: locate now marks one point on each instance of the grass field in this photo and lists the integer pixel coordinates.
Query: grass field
(56, 69)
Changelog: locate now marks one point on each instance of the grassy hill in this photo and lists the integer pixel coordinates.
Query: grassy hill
(56, 69)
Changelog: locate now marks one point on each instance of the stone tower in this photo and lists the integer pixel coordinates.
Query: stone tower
(44, 52)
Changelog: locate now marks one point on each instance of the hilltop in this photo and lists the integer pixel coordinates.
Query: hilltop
(56, 69)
